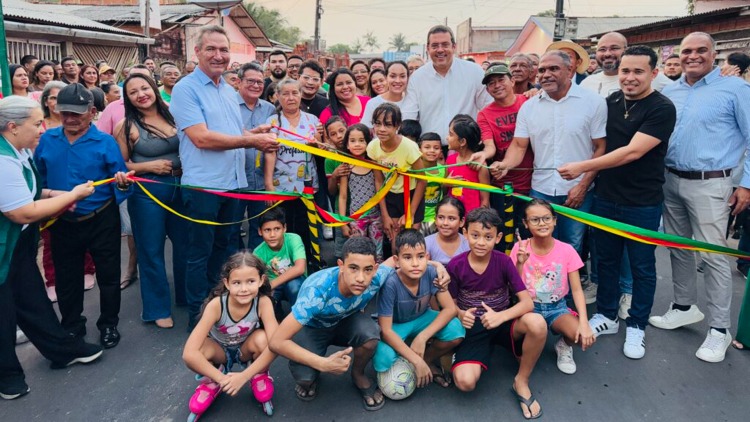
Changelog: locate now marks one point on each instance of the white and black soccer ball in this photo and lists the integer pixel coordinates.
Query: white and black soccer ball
(399, 381)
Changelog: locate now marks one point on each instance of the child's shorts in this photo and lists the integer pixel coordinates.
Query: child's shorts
(477, 346)
(385, 356)
(551, 311)
(394, 202)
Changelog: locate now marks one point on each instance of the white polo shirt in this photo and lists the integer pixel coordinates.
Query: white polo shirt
(434, 100)
(561, 132)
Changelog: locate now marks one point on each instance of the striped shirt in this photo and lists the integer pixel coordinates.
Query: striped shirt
(713, 124)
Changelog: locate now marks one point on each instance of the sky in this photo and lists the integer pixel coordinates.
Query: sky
(345, 20)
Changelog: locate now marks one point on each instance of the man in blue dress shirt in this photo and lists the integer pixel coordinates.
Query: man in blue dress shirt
(68, 156)
(212, 150)
(711, 135)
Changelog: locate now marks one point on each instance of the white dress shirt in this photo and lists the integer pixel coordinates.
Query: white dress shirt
(434, 99)
(561, 132)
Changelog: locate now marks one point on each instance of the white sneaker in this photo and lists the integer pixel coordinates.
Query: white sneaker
(714, 347)
(21, 337)
(603, 325)
(675, 318)
(635, 343)
(625, 301)
(565, 362)
(589, 292)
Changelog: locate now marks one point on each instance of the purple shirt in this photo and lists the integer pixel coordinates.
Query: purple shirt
(492, 287)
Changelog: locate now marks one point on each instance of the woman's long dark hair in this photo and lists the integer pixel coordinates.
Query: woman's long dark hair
(85, 68)
(12, 69)
(369, 81)
(135, 116)
(335, 104)
(33, 79)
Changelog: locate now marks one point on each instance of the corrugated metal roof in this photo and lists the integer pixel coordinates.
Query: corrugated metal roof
(169, 13)
(679, 19)
(38, 13)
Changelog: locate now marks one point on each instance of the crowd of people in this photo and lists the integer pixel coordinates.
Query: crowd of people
(455, 272)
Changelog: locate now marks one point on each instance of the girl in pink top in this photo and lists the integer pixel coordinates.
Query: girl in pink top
(464, 137)
(549, 269)
(344, 102)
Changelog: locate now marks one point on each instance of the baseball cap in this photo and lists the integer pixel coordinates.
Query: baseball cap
(105, 68)
(498, 69)
(74, 98)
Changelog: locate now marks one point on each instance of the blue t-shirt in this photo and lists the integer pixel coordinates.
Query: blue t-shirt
(321, 305)
(398, 301)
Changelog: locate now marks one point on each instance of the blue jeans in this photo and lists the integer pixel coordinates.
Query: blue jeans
(626, 276)
(567, 230)
(152, 224)
(208, 246)
(254, 239)
(289, 290)
(609, 248)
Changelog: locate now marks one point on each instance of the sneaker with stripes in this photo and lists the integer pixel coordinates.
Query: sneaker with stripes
(635, 343)
(603, 325)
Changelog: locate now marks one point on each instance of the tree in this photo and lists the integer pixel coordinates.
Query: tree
(370, 41)
(398, 42)
(341, 48)
(691, 7)
(357, 46)
(274, 25)
(547, 13)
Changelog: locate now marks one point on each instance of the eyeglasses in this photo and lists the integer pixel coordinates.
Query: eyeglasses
(293, 66)
(310, 79)
(252, 82)
(535, 221)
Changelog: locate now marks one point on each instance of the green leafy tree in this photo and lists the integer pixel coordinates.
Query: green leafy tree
(341, 48)
(691, 7)
(274, 25)
(398, 42)
(547, 13)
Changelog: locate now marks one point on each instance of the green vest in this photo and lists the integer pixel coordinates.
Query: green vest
(10, 231)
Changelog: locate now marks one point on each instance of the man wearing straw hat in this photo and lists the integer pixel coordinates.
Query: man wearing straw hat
(578, 56)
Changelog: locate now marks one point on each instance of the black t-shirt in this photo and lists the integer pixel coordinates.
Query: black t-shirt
(314, 106)
(638, 183)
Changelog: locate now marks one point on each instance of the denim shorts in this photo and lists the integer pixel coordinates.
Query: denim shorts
(551, 311)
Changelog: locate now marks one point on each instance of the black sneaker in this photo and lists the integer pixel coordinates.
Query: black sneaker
(15, 392)
(88, 353)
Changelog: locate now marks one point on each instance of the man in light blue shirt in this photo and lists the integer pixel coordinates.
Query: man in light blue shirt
(711, 134)
(212, 143)
(254, 112)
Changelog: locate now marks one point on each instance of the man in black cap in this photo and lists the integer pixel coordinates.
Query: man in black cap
(67, 156)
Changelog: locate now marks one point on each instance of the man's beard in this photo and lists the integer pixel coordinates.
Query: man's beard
(278, 74)
(674, 77)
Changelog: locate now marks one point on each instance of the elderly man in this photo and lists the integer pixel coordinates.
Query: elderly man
(563, 123)
(629, 189)
(522, 72)
(712, 133)
(254, 112)
(67, 156)
(578, 56)
(212, 150)
(445, 87)
(608, 54)
(190, 67)
(170, 73)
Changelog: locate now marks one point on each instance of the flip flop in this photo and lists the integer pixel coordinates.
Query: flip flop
(739, 346)
(310, 393)
(369, 392)
(528, 402)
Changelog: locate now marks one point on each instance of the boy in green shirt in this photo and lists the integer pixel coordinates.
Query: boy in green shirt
(284, 253)
(431, 147)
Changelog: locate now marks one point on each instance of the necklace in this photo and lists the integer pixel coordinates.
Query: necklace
(627, 110)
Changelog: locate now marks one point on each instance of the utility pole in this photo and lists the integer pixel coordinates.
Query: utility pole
(147, 19)
(560, 21)
(318, 15)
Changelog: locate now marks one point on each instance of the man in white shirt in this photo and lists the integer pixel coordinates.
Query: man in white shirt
(608, 54)
(445, 87)
(563, 123)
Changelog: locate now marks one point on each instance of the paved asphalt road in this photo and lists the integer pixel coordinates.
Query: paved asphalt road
(144, 379)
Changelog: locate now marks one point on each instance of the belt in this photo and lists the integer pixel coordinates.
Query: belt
(700, 175)
(88, 216)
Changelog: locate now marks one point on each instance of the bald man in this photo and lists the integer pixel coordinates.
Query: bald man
(608, 55)
(711, 135)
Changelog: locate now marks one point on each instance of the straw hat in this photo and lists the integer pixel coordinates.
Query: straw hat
(582, 54)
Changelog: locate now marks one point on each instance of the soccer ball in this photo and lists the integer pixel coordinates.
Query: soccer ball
(399, 381)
